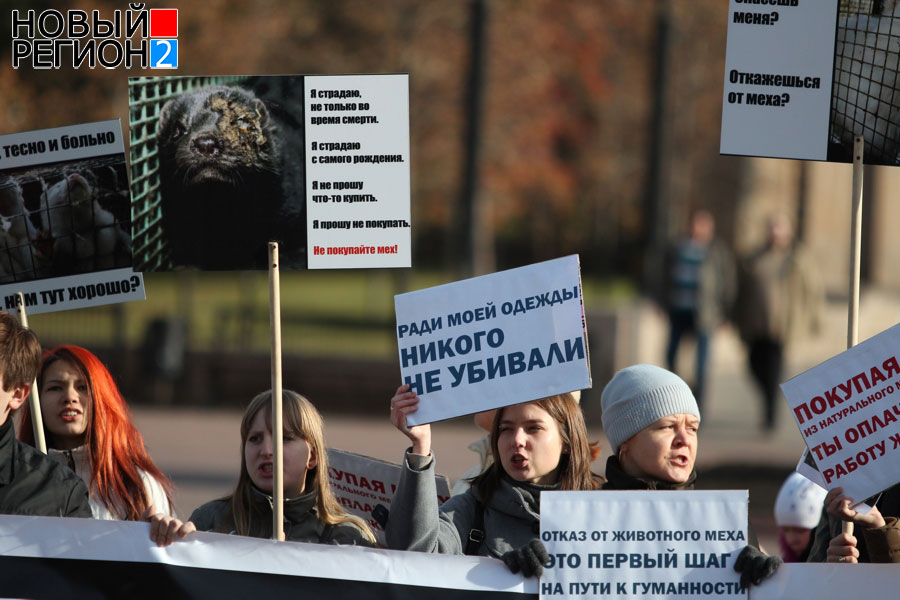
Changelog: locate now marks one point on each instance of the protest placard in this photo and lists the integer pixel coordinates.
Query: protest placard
(357, 171)
(778, 72)
(65, 223)
(494, 340)
(627, 544)
(360, 483)
(319, 164)
(847, 410)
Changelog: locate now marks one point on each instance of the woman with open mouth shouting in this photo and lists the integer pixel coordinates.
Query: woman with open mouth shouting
(651, 419)
(88, 427)
(539, 445)
(311, 510)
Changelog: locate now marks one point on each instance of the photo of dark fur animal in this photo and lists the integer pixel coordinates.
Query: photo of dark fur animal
(231, 175)
(64, 219)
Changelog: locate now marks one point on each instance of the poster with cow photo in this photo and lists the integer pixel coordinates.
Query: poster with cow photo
(65, 220)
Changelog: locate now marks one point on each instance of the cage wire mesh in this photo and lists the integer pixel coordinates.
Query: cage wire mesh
(864, 100)
(64, 219)
(147, 95)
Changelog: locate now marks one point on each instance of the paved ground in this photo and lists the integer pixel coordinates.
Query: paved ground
(199, 448)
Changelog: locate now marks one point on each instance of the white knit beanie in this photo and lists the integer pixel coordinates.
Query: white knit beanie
(639, 395)
(799, 502)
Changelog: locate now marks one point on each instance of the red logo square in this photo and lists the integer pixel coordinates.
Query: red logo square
(164, 22)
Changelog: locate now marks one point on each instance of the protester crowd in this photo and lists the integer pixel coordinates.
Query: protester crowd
(97, 467)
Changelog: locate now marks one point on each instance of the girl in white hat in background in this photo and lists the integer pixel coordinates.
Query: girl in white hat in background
(797, 510)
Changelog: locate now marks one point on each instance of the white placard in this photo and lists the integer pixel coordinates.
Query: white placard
(778, 72)
(639, 544)
(357, 171)
(75, 291)
(65, 229)
(494, 340)
(61, 144)
(361, 482)
(848, 410)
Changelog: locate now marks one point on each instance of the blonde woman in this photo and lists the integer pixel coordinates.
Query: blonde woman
(311, 511)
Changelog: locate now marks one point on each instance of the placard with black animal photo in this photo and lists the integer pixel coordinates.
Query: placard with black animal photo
(65, 218)
(225, 161)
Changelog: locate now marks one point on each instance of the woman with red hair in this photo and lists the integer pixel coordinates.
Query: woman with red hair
(87, 426)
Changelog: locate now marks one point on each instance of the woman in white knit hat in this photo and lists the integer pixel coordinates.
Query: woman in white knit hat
(651, 419)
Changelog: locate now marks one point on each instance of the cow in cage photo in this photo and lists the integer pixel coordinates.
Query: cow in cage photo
(64, 220)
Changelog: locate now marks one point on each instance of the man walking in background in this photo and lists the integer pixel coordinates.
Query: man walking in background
(780, 296)
(700, 286)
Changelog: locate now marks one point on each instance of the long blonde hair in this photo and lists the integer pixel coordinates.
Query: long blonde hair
(300, 418)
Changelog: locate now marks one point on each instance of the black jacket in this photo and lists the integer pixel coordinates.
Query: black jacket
(31, 483)
(618, 479)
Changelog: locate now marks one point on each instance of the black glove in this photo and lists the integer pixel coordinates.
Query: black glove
(380, 514)
(530, 559)
(754, 566)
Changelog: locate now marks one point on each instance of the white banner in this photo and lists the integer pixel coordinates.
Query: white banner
(636, 544)
(357, 171)
(361, 482)
(495, 340)
(847, 409)
(50, 557)
(778, 72)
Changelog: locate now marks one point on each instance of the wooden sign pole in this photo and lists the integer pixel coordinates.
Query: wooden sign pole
(855, 254)
(277, 427)
(37, 421)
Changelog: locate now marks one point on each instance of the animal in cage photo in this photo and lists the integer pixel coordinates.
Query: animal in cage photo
(865, 98)
(231, 174)
(64, 219)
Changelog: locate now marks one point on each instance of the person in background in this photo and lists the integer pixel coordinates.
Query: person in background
(797, 509)
(88, 427)
(779, 297)
(651, 419)
(30, 482)
(536, 446)
(311, 511)
(698, 291)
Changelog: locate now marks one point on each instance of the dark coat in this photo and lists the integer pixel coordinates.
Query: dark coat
(717, 285)
(301, 521)
(31, 483)
(618, 479)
